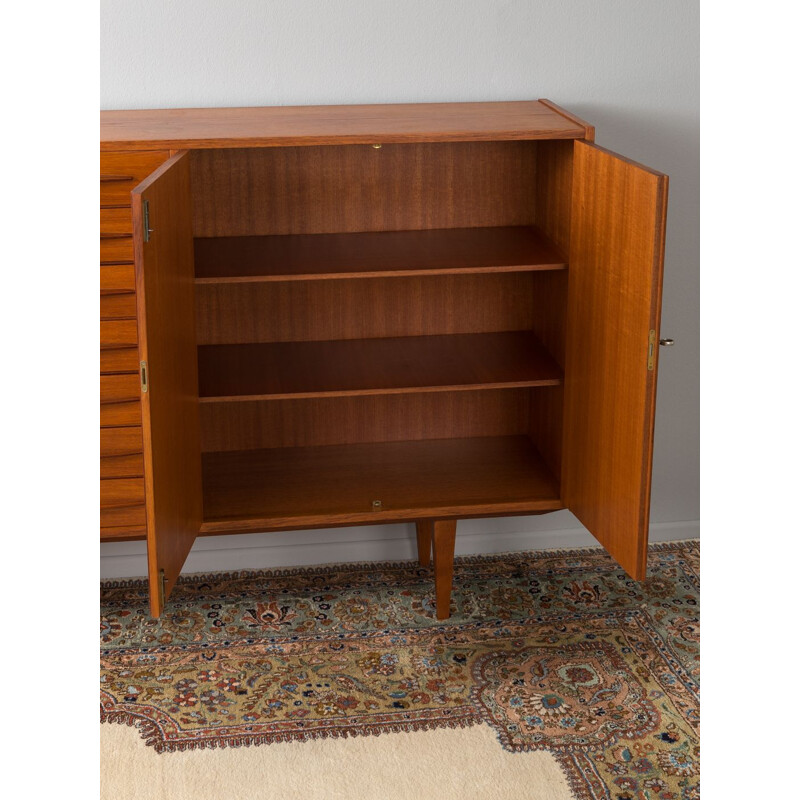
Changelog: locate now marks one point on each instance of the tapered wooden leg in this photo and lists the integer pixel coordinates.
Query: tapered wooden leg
(444, 545)
(424, 539)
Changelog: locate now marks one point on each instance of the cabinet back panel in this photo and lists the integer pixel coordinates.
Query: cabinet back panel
(553, 202)
(364, 308)
(546, 425)
(351, 188)
(377, 418)
(549, 299)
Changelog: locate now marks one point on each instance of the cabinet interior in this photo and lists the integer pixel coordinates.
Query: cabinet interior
(380, 330)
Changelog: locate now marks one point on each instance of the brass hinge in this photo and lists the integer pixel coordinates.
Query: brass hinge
(162, 588)
(143, 374)
(651, 350)
(146, 219)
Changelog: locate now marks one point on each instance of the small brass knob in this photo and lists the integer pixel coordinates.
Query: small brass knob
(377, 146)
(666, 342)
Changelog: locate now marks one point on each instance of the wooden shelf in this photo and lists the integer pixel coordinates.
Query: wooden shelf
(396, 365)
(303, 487)
(243, 259)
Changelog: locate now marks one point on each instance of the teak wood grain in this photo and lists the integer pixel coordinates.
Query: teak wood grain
(115, 334)
(365, 308)
(545, 424)
(125, 516)
(374, 366)
(170, 418)
(120, 172)
(616, 262)
(121, 441)
(308, 487)
(120, 414)
(116, 221)
(385, 253)
(130, 466)
(372, 418)
(119, 400)
(119, 360)
(121, 493)
(424, 541)
(353, 189)
(374, 323)
(124, 533)
(117, 277)
(116, 249)
(119, 388)
(121, 453)
(588, 134)
(553, 195)
(118, 305)
(444, 545)
(315, 125)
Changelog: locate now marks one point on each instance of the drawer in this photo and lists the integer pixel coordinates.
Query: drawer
(118, 333)
(121, 485)
(120, 359)
(119, 388)
(117, 414)
(118, 305)
(113, 517)
(120, 173)
(121, 442)
(115, 442)
(116, 247)
(122, 466)
(121, 493)
(120, 400)
(116, 278)
(115, 221)
(116, 235)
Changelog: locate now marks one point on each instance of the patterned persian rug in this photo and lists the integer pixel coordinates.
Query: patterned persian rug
(557, 651)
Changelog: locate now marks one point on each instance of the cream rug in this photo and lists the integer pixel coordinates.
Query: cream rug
(464, 763)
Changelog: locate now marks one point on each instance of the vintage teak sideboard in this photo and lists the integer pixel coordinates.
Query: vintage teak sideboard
(344, 315)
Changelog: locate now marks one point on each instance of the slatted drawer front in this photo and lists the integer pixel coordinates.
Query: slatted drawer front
(121, 466)
(120, 173)
(121, 493)
(116, 235)
(116, 248)
(119, 388)
(112, 517)
(118, 305)
(115, 222)
(118, 333)
(120, 400)
(121, 453)
(122, 359)
(120, 442)
(119, 352)
(121, 459)
(122, 502)
(117, 414)
(116, 278)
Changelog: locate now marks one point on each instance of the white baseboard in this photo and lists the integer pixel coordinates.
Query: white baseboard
(370, 543)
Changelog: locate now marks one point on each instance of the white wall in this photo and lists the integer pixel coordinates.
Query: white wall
(631, 67)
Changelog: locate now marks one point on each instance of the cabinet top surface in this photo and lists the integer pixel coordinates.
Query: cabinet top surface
(358, 124)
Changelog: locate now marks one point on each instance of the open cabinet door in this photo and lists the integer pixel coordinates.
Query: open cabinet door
(616, 263)
(164, 256)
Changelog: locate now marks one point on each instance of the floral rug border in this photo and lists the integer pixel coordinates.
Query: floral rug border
(578, 767)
